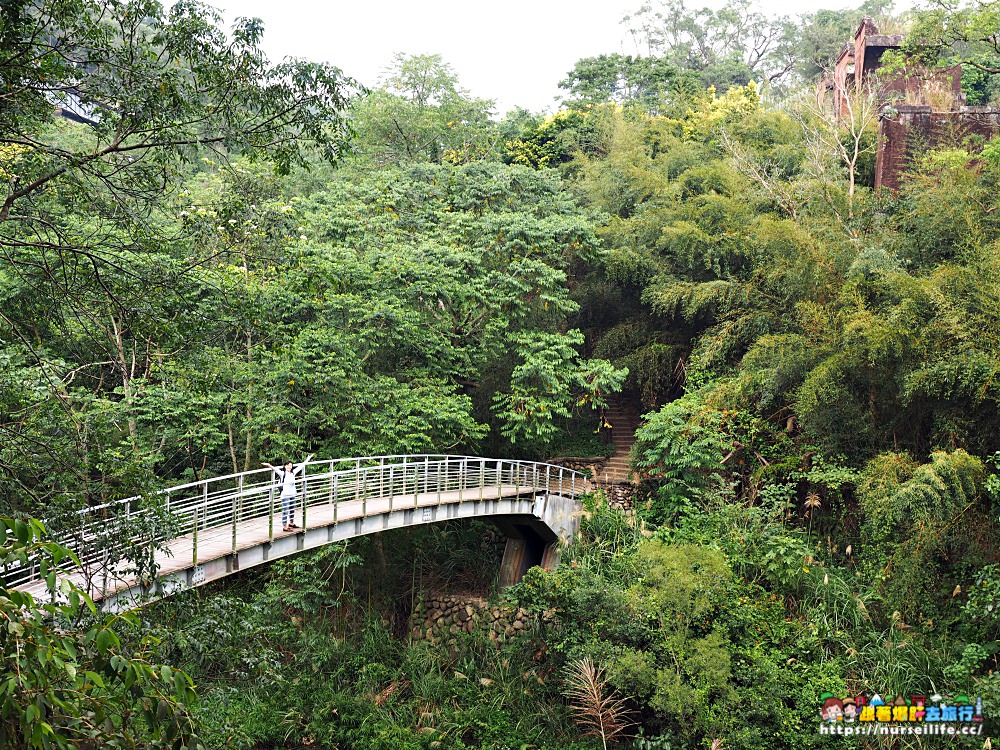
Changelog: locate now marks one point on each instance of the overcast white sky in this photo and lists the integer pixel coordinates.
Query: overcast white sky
(513, 51)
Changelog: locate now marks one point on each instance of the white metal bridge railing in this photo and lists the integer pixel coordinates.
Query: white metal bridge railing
(211, 510)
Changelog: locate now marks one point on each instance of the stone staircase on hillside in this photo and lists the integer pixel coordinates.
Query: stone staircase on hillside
(624, 420)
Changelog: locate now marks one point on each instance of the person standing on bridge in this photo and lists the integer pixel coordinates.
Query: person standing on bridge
(287, 479)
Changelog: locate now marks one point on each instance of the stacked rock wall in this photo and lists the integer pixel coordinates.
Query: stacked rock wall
(620, 495)
(442, 618)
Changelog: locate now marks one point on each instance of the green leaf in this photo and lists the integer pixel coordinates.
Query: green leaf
(94, 678)
(103, 640)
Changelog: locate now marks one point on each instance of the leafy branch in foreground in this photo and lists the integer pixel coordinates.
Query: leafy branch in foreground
(70, 680)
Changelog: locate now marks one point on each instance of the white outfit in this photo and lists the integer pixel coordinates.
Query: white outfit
(289, 490)
(287, 480)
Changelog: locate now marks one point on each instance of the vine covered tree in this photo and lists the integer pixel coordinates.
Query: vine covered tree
(104, 108)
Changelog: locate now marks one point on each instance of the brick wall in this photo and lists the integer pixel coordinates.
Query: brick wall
(907, 130)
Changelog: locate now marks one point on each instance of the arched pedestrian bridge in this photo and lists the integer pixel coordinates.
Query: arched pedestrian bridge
(206, 530)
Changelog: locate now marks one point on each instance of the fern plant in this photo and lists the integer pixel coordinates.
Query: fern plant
(917, 520)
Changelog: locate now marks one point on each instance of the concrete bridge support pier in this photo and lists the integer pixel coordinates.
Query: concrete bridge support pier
(532, 542)
(525, 549)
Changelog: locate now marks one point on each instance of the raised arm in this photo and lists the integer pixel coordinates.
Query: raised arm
(273, 468)
(301, 466)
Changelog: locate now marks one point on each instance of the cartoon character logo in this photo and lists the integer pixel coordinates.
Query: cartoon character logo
(833, 710)
(850, 709)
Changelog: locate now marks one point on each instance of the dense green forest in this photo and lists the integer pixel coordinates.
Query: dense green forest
(211, 261)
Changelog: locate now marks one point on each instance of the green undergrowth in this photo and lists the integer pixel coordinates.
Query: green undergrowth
(715, 626)
(582, 438)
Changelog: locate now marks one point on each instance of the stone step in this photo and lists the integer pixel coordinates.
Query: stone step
(624, 421)
(622, 460)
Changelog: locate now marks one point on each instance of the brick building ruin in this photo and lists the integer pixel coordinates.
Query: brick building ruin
(919, 109)
(907, 130)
